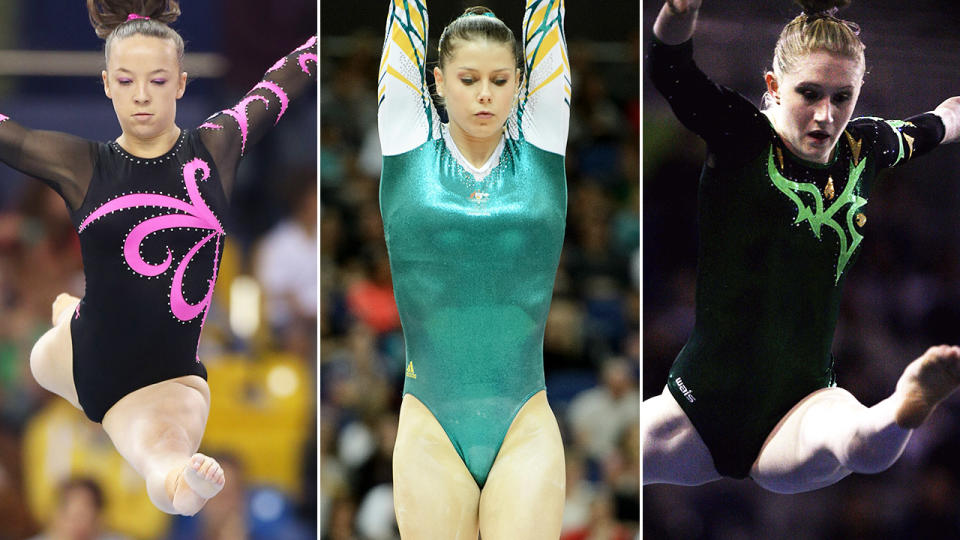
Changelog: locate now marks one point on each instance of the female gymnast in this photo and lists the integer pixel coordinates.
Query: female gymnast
(782, 205)
(148, 208)
(473, 215)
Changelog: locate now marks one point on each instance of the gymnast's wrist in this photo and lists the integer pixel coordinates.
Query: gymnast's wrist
(674, 10)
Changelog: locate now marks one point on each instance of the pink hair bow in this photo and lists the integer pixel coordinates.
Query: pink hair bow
(134, 16)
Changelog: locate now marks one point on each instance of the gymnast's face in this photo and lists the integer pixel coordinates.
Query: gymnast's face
(815, 102)
(144, 80)
(479, 86)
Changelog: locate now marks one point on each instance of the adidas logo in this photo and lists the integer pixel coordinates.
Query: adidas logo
(410, 373)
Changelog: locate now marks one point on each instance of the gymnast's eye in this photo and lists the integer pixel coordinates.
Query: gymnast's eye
(842, 97)
(124, 81)
(466, 80)
(160, 82)
(808, 94)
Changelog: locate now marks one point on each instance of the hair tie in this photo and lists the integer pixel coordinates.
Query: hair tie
(134, 16)
(831, 15)
(486, 14)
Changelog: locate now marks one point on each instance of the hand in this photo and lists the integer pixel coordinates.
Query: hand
(682, 7)
(676, 21)
(949, 112)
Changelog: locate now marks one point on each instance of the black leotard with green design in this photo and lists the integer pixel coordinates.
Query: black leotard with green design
(777, 237)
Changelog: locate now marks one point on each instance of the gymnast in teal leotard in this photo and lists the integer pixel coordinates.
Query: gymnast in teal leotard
(474, 215)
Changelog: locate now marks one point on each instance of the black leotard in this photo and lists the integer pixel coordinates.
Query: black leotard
(777, 236)
(151, 234)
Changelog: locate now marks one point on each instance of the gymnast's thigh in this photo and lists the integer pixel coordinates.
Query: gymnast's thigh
(434, 495)
(51, 361)
(524, 493)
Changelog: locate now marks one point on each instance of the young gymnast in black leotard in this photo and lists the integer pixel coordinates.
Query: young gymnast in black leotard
(148, 208)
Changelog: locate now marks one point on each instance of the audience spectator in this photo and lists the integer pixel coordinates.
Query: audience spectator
(78, 513)
(600, 416)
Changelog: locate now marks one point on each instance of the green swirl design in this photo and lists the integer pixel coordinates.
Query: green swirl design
(818, 217)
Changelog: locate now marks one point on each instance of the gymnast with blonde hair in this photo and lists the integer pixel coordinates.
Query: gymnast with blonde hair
(783, 205)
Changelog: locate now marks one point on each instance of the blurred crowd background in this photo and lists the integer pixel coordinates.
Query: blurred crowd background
(902, 295)
(59, 475)
(592, 343)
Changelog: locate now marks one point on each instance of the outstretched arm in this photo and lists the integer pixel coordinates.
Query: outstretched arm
(544, 109)
(733, 127)
(949, 113)
(898, 141)
(676, 21)
(230, 133)
(63, 162)
(406, 117)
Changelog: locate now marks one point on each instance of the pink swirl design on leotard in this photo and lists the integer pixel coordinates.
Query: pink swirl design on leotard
(310, 43)
(304, 58)
(280, 63)
(277, 91)
(301, 59)
(197, 215)
(3, 118)
(239, 112)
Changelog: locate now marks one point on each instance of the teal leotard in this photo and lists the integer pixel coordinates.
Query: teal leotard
(473, 252)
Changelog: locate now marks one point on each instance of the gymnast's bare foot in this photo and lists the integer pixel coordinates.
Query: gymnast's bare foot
(925, 383)
(62, 302)
(196, 483)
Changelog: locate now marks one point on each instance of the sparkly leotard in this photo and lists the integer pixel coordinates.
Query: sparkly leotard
(473, 252)
(777, 237)
(151, 234)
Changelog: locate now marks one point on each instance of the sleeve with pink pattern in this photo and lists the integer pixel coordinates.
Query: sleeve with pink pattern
(230, 133)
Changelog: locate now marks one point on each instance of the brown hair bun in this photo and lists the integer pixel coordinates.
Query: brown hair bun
(478, 10)
(107, 15)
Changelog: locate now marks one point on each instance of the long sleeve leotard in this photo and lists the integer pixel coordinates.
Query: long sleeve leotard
(151, 233)
(473, 251)
(777, 237)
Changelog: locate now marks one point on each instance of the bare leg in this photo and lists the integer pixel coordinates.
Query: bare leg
(51, 360)
(673, 452)
(434, 495)
(158, 429)
(524, 493)
(830, 434)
